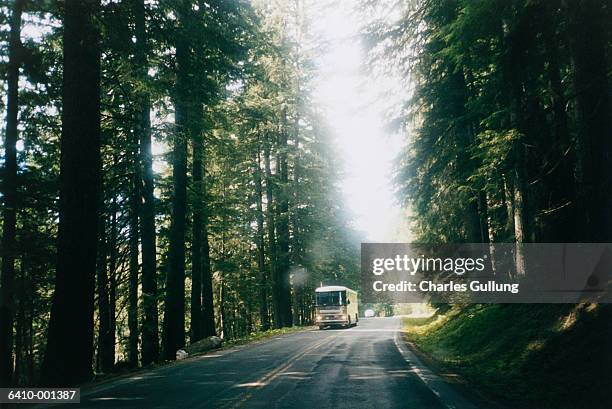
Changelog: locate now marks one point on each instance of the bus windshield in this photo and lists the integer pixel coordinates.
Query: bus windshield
(330, 298)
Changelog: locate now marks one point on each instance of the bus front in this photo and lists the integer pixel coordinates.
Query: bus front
(331, 307)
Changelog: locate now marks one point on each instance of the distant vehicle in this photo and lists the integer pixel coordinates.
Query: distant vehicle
(369, 313)
(336, 306)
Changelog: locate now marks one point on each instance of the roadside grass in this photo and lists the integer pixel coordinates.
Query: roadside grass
(535, 355)
(262, 335)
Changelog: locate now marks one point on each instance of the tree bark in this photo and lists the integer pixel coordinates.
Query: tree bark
(284, 262)
(587, 45)
(103, 299)
(563, 225)
(272, 249)
(508, 202)
(208, 309)
(222, 301)
(517, 41)
(197, 231)
(68, 358)
(174, 317)
(112, 283)
(150, 320)
(296, 244)
(519, 228)
(483, 212)
(134, 256)
(261, 257)
(20, 336)
(9, 191)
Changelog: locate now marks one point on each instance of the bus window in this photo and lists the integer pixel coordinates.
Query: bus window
(330, 298)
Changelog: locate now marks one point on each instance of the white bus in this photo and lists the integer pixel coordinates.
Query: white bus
(336, 306)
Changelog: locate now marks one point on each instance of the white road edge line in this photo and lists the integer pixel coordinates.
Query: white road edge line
(445, 392)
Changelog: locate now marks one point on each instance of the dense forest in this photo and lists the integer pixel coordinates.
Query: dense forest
(508, 119)
(507, 123)
(165, 178)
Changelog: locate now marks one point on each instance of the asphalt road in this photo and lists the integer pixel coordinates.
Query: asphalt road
(362, 367)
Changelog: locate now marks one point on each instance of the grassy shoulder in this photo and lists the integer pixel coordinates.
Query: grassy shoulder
(537, 355)
(262, 335)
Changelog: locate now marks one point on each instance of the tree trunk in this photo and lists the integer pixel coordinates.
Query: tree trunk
(519, 205)
(563, 225)
(207, 314)
(20, 336)
(134, 255)
(150, 320)
(208, 309)
(223, 308)
(519, 228)
(196, 246)
(284, 262)
(29, 327)
(104, 360)
(516, 119)
(112, 283)
(272, 250)
(174, 317)
(9, 191)
(483, 212)
(68, 358)
(508, 202)
(261, 257)
(296, 244)
(588, 42)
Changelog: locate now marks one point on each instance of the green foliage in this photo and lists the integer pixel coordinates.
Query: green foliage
(520, 354)
(492, 116)
(499, 149)
(247, 83)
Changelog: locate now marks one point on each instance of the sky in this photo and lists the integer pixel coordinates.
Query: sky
(354, 103)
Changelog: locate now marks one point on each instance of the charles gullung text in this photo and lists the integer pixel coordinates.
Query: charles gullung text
(459, 266)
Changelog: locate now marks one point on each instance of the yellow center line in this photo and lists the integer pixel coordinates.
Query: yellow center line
(273, 374)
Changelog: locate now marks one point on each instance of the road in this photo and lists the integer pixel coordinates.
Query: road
(362, 367)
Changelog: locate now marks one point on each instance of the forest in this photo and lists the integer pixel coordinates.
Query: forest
(508, 117)
(165, 179)
(508, 129)
(166, 175)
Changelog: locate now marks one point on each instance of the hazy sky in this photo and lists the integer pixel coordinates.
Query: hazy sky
(352, 100)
